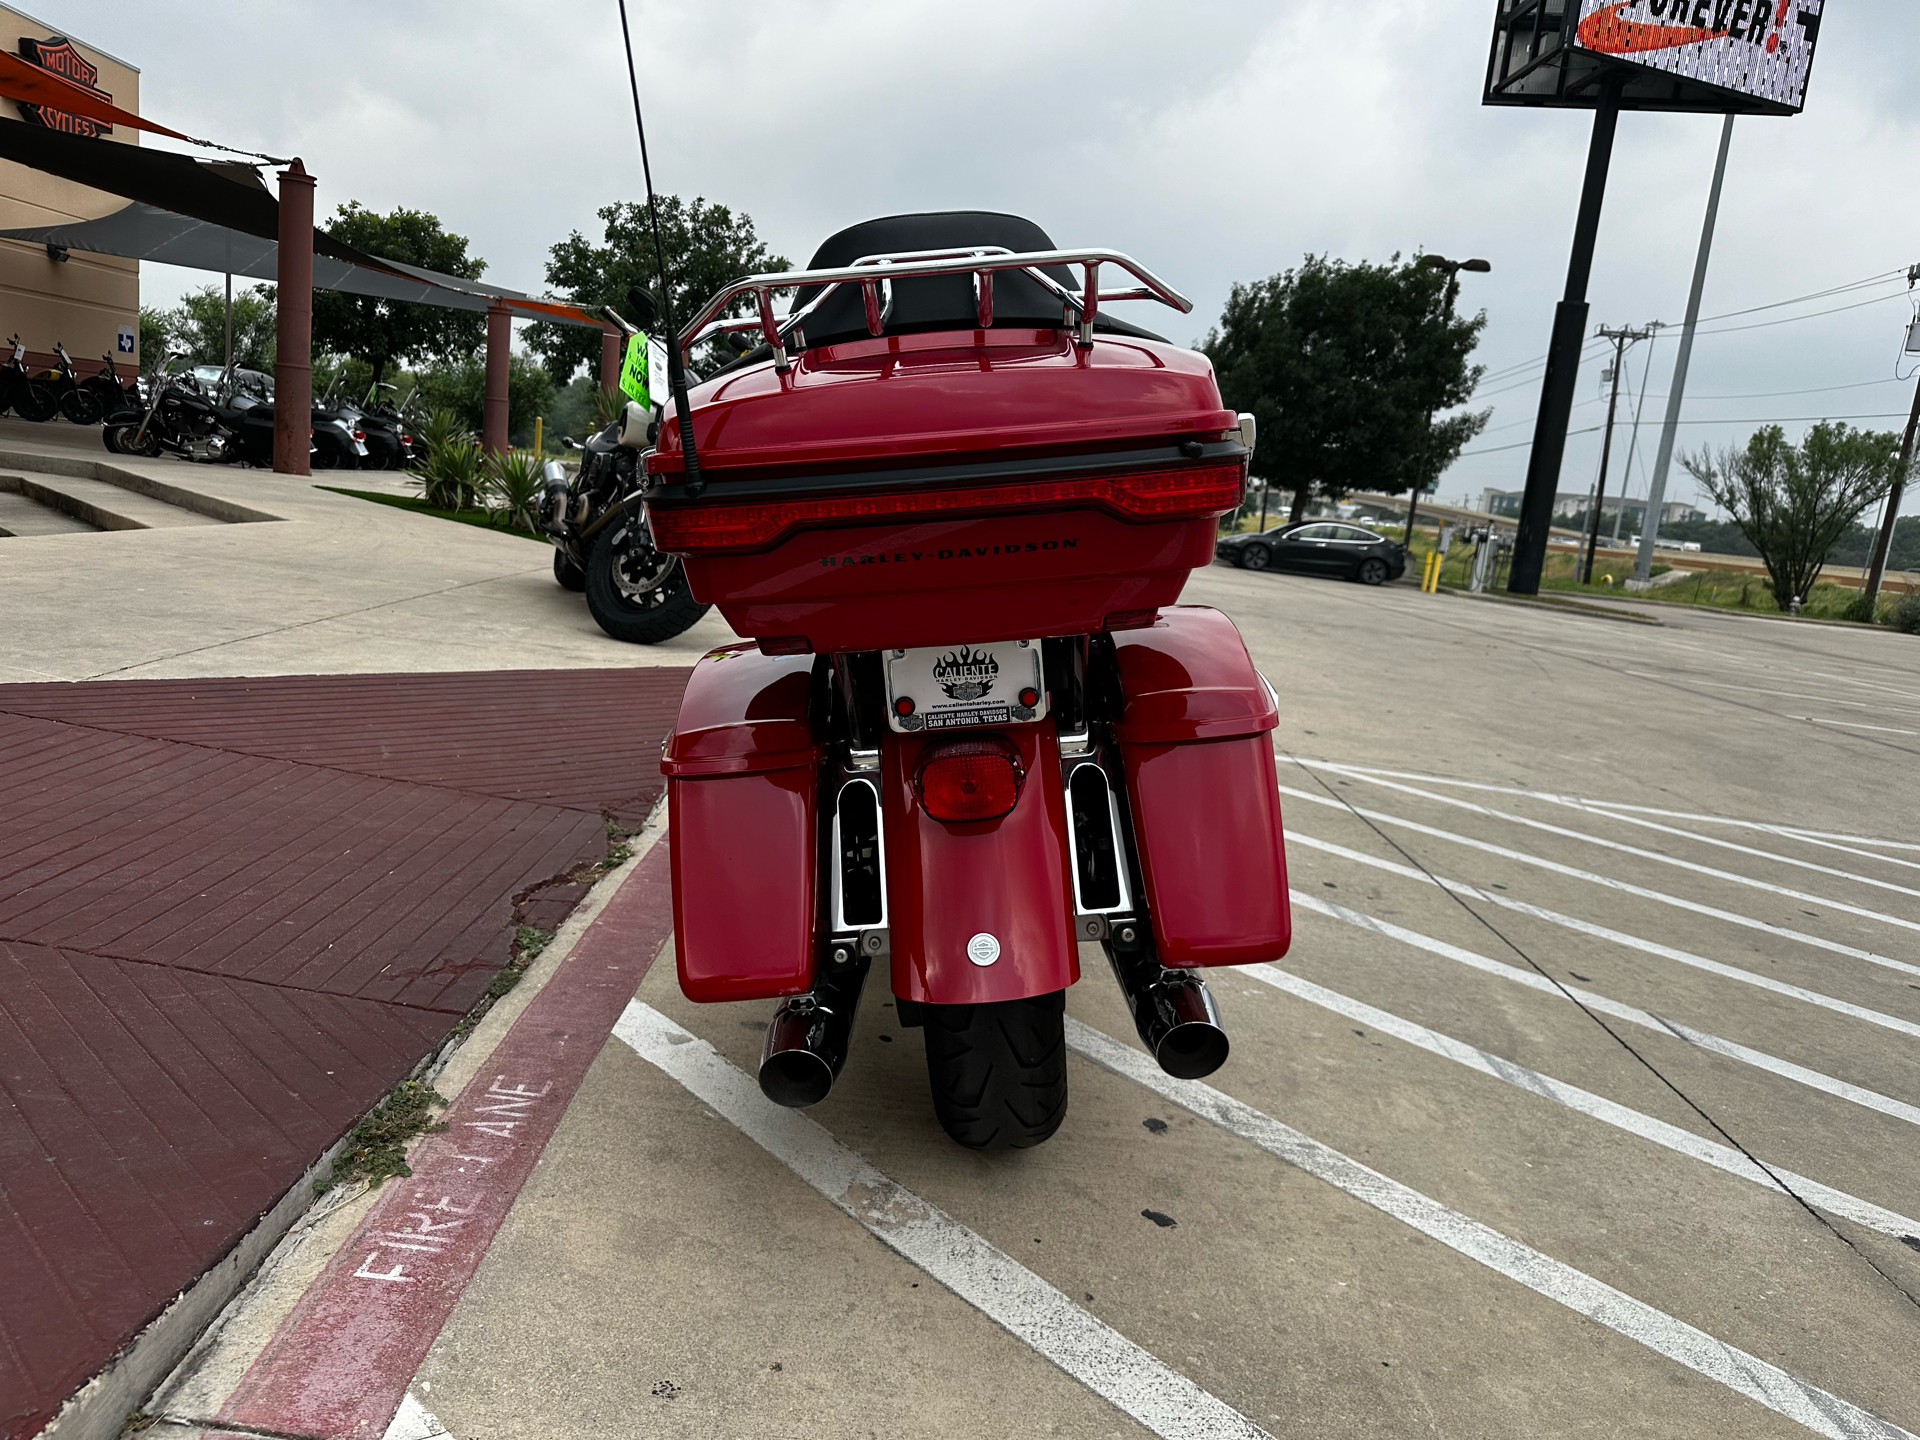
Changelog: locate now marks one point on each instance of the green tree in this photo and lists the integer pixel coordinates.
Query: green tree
(398, 332)
(1344, 367)
(153, 334)
(1793, 502)
(197, 325)
(707, 245)
(461, 388)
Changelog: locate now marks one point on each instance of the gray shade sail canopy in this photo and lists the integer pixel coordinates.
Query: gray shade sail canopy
(219, 216)
(146, 232)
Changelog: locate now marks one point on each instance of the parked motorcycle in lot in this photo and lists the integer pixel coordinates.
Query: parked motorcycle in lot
(21, 391)
(230, 423)
(76, 399)
(602, 543)
(952, 502)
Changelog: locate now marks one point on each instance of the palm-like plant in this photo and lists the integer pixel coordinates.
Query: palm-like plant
(607, 407)
(513, 482)
(451, 476)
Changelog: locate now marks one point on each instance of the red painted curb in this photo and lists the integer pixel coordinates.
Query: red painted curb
(340, 1364)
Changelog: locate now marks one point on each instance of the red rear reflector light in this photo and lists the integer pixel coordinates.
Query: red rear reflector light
(1177, 493)
(1129, 619)
(962, 780)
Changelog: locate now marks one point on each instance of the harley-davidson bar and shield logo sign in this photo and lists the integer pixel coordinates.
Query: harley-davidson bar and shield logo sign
(966, 673)
(56, 53)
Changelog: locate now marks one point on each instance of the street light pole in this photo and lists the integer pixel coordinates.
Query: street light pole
(1453, 269)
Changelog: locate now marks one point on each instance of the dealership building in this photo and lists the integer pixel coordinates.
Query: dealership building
(88, 302)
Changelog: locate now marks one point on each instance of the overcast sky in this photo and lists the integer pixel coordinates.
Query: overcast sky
(1216, 142)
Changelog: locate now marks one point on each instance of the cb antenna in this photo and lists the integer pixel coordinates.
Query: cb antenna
(676, 372)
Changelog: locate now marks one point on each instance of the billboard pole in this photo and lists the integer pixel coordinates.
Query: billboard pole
(1657, 494)
(1563, 357)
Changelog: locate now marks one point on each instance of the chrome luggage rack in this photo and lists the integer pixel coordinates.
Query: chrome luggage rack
(877, 291)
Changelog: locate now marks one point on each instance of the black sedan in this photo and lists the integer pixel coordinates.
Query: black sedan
(1318, 547)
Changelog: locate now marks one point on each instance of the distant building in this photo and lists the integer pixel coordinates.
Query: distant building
(1507, 502)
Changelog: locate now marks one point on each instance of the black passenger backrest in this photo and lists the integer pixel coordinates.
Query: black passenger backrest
(943, 302)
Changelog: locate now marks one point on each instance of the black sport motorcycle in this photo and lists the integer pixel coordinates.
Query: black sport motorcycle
(601, 543)
(23, 392)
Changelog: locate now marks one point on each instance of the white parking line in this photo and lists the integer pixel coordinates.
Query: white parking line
(1620, 937)
(1001, 1288)
(1745, 1374)
(1619, 1010)
(1598, 1107)
(1731, 876)
(1587, 808)
(1853, 725)
(1798, 832)
(1607, 881)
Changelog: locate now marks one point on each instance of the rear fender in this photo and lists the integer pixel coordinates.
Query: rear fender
(1007, 878)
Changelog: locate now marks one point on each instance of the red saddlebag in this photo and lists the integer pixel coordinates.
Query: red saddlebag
(742, 796)
(1193, 737)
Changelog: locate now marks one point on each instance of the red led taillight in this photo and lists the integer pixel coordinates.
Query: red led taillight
(961, 780)
(1177, 493)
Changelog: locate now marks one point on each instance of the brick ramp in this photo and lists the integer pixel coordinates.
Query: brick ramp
(233, 913)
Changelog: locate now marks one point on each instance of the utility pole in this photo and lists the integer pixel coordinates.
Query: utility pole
(1453, 269)
(229, 356)
(1633, 442)
(1877, 568)
(1621, 339)
(1657, 492)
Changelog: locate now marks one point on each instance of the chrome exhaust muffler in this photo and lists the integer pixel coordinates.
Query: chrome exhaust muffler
(1176, 1015)
(806, 1046)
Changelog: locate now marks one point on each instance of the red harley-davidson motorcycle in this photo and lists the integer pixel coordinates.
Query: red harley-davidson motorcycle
(953, 502)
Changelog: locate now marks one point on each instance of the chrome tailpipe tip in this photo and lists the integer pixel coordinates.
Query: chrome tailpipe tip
(795, 1078)
(1174, 1012)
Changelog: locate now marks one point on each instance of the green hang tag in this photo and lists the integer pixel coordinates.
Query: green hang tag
(633, 371)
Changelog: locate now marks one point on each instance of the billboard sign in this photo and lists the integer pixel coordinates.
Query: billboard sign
(1761, 49)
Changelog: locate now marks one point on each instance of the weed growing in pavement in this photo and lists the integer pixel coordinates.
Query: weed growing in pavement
(376, 1148)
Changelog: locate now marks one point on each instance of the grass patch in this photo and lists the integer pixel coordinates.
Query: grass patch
(485, 519)
(376, 1148)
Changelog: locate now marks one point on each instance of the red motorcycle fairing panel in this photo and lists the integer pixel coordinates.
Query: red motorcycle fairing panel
(948, 394)
(1201, 785)
(932, 582)
(1008, 879)
(742, 811)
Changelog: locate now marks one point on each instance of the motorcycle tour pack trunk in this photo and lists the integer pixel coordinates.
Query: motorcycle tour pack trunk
(971, 728)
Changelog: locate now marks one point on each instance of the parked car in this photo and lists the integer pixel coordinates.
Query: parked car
(1319, 547)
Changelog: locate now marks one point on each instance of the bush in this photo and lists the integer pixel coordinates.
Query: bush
(1905, 615)
(452, 474)
(1860, 609)
(513, 485)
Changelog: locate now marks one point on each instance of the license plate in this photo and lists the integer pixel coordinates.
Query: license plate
(945, 687)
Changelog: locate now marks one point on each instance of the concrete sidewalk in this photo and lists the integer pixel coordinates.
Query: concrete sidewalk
(338, 585)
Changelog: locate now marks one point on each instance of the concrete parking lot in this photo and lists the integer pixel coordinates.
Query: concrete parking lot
(1605, 941)
(1594, 920)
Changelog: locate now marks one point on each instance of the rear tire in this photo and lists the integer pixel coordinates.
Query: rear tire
(1256, 557)
(634, 592)
(998, 1072)
(82, 407)
(1373, 571)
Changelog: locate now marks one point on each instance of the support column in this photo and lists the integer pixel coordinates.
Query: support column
(611, 356)
(1563, 361)
(293, 350)
(493, 423)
